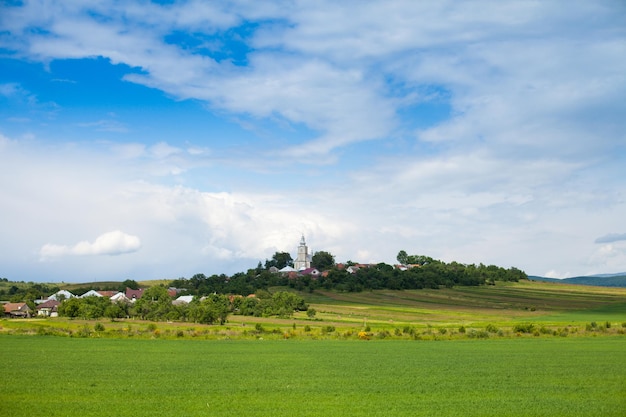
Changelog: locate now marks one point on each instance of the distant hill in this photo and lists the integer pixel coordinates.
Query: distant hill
(600, 280)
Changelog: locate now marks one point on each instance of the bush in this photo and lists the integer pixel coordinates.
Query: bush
(491, 328)
(328, 329)
(307, 328)
(524, 328)
(462, 329)
(99, 327)
(478, 334)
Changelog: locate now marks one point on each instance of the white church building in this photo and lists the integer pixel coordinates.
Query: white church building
(303, 260)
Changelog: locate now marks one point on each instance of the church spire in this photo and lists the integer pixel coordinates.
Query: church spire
(303, 260)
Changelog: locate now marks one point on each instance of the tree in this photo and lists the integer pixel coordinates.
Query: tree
(279, 260)
(322, 260)
(403, 257)
(129, 283)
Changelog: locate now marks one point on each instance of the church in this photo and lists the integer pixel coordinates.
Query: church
(303, 260)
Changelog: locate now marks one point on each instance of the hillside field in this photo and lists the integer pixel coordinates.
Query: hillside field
(503, 310)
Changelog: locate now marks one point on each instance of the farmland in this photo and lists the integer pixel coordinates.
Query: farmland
(499, 311)
(139, 377)
(513, 349)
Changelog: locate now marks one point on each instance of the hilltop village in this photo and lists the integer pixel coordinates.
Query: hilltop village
(248, 292)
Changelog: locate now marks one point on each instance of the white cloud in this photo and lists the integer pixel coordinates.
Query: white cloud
(110, 243)
(526, 169)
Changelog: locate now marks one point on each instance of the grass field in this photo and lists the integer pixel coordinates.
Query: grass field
(61, 376)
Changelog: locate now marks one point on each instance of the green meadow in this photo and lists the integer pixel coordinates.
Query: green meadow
(62, 376)
(513, 349)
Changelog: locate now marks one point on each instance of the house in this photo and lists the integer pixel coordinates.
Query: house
(48, 309)
(133, 295)
(313, 272)
(15, 310)
(183, 299)
(352, 269)
(287, 270)
(109, 294)
(61, 295)
(119, 297)
(91, 293)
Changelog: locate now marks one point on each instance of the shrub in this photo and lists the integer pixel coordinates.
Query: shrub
(462, 329)
(478, 334)
(328, 329)
(151, 327)
(408, 330)
(491, 328)
(383, 334)
(307, 328)
(443, 330)
(311, 312)
(84, 331)
(524, 328)
(99, 327)
(259, 328)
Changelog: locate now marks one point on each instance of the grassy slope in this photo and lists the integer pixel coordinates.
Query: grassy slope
(429, 314)
(505, 302)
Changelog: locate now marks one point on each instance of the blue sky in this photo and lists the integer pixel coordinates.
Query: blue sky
(151, 140)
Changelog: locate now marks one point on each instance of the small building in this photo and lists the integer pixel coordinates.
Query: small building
(48, 309)
(119, 297)
(91, 293)
(61, 295)
(109, 294)
(134, 295)
(17, 310)
(287, 270)
(183, 299)
(313, 272)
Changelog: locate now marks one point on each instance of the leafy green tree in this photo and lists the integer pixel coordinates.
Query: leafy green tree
(279, 260)
(403, 257)
(323, 260)
(129, 283)
(70, 307)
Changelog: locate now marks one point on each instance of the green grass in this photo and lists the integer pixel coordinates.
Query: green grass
(135, 377)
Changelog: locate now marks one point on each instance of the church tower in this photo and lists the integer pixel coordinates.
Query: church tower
(303, 260)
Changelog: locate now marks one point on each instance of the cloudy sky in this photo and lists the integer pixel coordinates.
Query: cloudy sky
(151, 140)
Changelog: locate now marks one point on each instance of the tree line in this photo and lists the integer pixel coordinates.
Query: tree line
(156, 305)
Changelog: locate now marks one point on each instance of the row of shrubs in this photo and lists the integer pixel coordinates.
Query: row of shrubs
(99, 329)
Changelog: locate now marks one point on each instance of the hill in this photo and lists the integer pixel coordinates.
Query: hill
(602, 280)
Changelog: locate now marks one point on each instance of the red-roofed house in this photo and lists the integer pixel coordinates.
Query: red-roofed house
(314, 272)
(16, 310)
(48, 309)
(133, 295)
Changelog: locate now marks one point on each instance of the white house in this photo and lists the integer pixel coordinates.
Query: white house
(91, 293)
(61, 295)
(183, 299)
